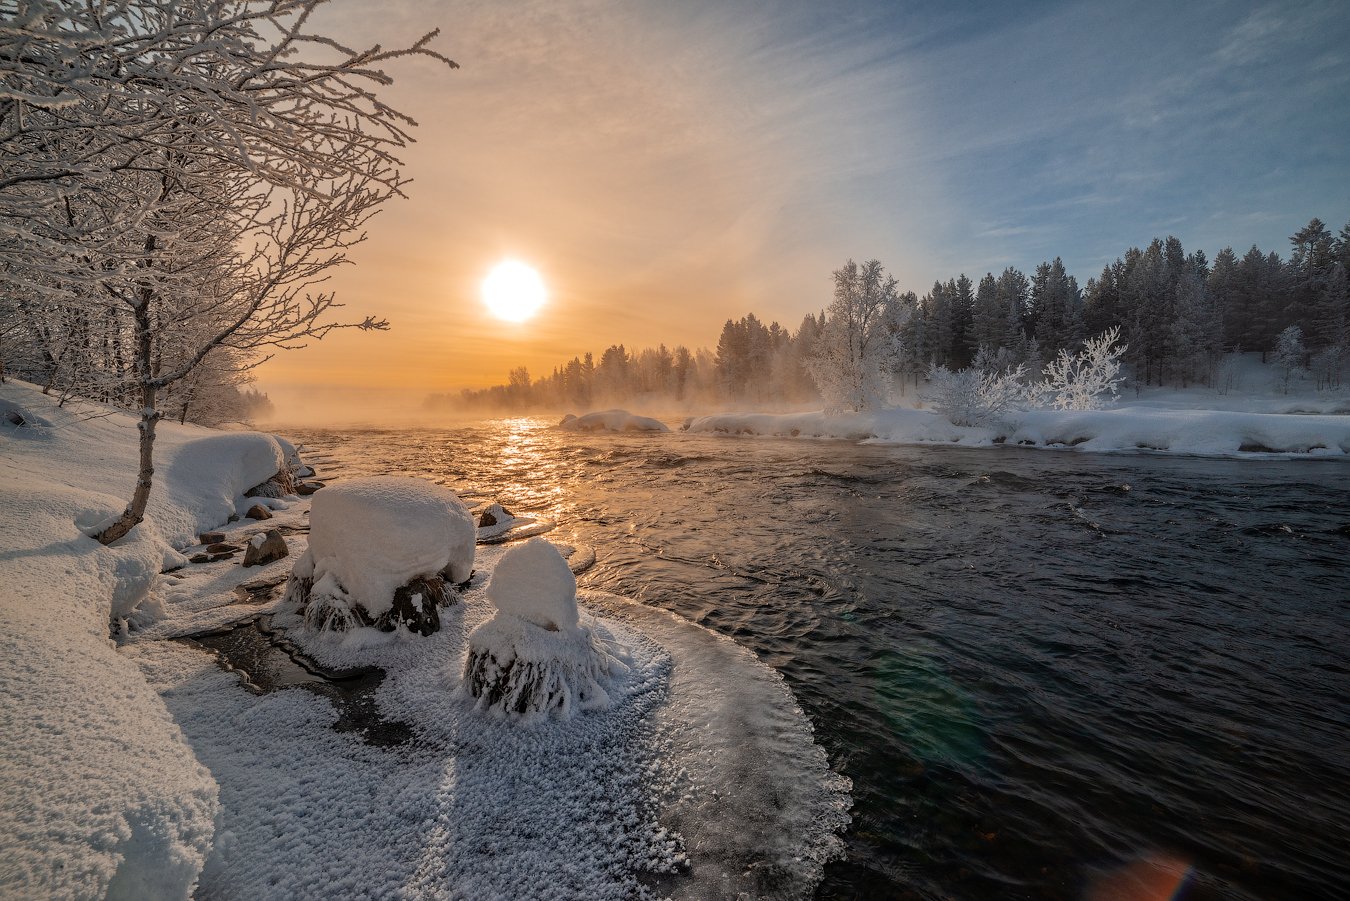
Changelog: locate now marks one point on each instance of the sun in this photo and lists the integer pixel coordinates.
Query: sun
(513, 291)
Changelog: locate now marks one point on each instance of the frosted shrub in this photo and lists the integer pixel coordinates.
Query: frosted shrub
(975, 396)
(1088, 379)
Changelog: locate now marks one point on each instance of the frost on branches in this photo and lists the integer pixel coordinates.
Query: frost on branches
(1089, 379)
(975, 396)
(984, 393)
(856, 349)
(180, 177)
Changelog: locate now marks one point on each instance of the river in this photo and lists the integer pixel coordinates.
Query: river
(1042, 670)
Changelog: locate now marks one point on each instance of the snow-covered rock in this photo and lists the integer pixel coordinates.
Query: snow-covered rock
(372, 537)
(612, 421)
(533, 582)
(537, 655)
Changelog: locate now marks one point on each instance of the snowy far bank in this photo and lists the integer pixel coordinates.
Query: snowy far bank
(143, 768)
(1127, 428)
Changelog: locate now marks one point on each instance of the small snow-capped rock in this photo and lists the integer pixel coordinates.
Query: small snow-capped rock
(532, 581)
(264, 548)
(495, 515)
(536, 655)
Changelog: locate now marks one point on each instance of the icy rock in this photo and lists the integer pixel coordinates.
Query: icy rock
(264, 548)
(415, 606)
(612, 421)
(279, 485)
(536, 655)
(494, 515)
(211, 537)
(305, 489)
(258, 511)
(381, 550)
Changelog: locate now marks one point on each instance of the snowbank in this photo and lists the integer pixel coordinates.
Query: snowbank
(1132, 428)
(612, 421)
(102, 795)
(370, 536)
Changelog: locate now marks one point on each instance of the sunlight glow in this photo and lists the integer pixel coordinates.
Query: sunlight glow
(513, 291)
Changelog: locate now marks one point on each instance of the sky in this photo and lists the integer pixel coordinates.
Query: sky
(667, 166)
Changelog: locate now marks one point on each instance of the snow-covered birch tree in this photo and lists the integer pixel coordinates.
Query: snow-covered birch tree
(182, 176)
(852, 360)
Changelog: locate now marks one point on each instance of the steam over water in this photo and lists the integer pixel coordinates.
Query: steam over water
(1042, 671)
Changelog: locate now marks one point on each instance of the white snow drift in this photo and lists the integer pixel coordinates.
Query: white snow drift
(1207, 432)
(102, 795)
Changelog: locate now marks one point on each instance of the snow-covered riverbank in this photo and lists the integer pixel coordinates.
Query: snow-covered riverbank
(134, 766)
(1126, 428)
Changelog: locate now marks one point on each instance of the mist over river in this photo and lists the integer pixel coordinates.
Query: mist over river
(1038, 668)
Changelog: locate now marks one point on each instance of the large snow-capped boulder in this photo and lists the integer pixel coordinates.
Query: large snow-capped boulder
(372, 538)
(537, 654)
(612, 421)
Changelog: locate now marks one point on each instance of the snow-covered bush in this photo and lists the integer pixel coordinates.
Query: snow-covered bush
(382, 551)
(1082, 381)
(973, 396)
(538, 654)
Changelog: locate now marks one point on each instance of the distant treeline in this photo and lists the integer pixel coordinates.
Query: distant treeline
(1178, 312)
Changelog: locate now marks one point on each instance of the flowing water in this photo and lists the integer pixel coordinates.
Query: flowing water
(1047, 673)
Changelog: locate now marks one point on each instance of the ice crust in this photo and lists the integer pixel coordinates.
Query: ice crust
(374, 534)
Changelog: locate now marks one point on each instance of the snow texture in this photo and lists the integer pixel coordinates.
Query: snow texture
(371, 535)
(102, 795)
(533, 582)
(202, 786)
(612, 421)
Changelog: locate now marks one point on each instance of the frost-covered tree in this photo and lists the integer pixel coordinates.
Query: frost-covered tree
(1289, 354)
(855, 351)
(1087, 379)
(179, 177)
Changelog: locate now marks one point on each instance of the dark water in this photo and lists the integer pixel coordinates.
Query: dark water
(1038, 668)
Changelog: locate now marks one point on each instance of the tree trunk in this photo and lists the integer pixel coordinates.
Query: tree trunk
(135, 511)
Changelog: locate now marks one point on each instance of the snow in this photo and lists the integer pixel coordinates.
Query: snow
(536, 655)
(103, 796)
(371, 535)
(612, 421)
(533, 582)
(1130, 428)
